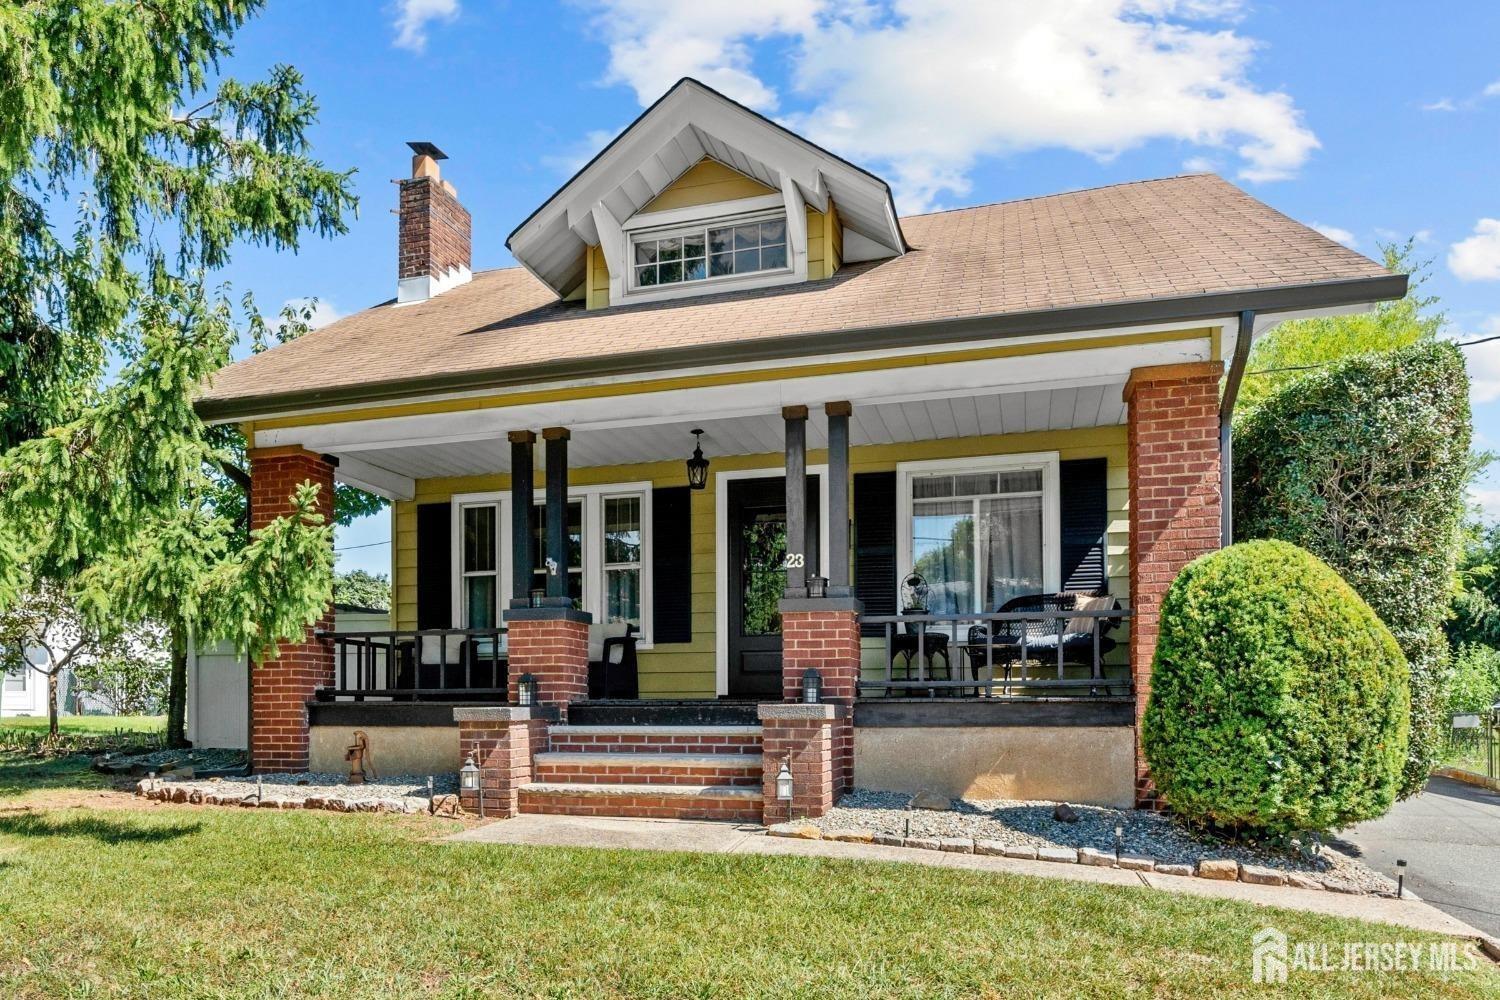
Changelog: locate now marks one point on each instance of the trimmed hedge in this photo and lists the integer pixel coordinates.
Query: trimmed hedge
(1279, 700)
(1365, 465)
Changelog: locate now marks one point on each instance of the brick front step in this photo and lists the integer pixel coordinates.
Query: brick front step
(738, 769)
(655, 739)
(654, 801)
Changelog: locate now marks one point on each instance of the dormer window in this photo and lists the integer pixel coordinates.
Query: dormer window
(704, 252)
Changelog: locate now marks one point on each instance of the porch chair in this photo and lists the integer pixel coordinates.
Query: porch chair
(1043, 634)
(612, 665)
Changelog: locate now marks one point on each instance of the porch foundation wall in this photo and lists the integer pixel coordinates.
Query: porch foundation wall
(281, 687)
(398, 749)
(1085, 765)
(823, 635)
(1175, 505)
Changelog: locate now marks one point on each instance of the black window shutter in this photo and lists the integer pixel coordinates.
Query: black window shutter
(875, 545)
(434, 566)
(672, 564)
(1085, 518)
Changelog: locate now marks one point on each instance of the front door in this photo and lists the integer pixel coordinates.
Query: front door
(757, 577)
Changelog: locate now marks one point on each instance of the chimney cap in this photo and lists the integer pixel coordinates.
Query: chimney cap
(427, 149)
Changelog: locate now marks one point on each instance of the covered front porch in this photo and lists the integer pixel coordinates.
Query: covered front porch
(945, 542)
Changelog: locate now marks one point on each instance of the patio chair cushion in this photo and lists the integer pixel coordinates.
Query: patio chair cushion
(1087, 602)
(609, 630)
(432, 651)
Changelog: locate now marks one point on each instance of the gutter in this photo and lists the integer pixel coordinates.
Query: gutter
(1135, 312)
(1232, 380)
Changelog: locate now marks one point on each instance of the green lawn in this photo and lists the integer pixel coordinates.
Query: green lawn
(104, 899)
(89, 724)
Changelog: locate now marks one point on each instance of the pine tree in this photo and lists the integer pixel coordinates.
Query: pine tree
(131, 168)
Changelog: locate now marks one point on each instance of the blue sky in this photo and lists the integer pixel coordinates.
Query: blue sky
(1372, 120)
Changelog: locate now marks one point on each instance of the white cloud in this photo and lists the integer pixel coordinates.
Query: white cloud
(1336, 234)
(1493, 90)
(1441, 104)
(1201, 165)
(924, 88)
(654, 43)
(1478, 257)
(413, 17)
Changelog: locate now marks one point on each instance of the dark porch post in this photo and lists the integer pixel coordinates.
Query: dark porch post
(557, 514)
(838, 497)
(796, 500)
(522, 487)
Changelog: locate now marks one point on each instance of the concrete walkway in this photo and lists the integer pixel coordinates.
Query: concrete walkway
(1450, 838)
(729, 838)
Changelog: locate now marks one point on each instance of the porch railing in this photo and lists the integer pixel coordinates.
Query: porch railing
(417, 665)
(1000, 654)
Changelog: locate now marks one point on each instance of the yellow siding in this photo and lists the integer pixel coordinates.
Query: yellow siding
(825, 243)
(686, 670)
(704, 183)
(595, 279)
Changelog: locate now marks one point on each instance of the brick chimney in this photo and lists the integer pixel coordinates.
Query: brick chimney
(435, 231)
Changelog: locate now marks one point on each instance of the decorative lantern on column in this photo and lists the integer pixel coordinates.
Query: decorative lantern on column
(817, 587)
(784, 783)
(526, 691)
(812, 686)
(697, 466)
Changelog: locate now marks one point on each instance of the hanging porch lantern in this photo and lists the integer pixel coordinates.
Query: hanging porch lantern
(697, 466)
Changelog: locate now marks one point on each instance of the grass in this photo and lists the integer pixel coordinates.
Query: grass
(89, 725)
(104, 897)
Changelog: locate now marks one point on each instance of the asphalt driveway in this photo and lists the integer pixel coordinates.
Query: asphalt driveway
(1450, 838)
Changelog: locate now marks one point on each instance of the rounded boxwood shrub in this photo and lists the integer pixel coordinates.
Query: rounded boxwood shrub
(1279, 701)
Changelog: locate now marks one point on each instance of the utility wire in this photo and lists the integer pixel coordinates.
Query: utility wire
(1325, 364)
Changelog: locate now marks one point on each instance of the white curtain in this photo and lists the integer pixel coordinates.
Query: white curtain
(1010, 548)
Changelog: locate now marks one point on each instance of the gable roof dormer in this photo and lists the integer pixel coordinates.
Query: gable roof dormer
(698, 173)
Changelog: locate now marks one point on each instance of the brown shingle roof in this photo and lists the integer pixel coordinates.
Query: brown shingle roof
(1170, 238)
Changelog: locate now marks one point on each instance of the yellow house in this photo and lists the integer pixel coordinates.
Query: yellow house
(734, 419)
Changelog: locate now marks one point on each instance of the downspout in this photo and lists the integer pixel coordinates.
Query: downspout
(1226, 419)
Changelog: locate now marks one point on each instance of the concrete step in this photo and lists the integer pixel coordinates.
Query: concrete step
(737, 769)
(721, 802)
(655, 739)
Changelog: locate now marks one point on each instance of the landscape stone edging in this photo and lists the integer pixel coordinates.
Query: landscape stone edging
(1217, 869)
(158, 790)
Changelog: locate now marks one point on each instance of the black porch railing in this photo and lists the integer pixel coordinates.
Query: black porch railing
(417, 665)
(1000, 654)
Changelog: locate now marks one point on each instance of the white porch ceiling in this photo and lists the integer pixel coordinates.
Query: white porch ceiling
(883, 423)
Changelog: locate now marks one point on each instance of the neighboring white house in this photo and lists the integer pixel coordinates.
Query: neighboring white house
(218, 684)
(23, 690)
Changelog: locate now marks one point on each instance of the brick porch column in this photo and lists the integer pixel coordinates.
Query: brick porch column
(280, 688)
(806, 738)
(503, 741)
(552, 645)
(1175, 503)
(823, 634)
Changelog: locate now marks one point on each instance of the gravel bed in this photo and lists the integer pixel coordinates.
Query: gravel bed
(409, 790)
(205, 759)
(1031, 824)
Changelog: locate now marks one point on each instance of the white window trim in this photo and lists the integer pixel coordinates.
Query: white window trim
(1046, 461)
(592, 497)
(721, 554)
(638, 293)
(618, 237)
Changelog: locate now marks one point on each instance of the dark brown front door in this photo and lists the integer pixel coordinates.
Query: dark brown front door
(757, 578)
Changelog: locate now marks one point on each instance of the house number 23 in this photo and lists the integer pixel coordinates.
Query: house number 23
(795, 560)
